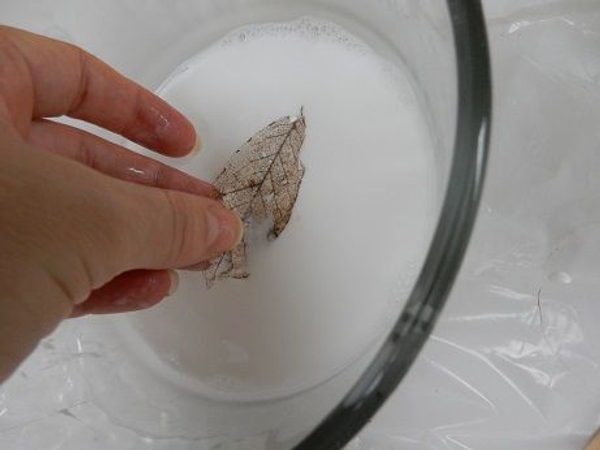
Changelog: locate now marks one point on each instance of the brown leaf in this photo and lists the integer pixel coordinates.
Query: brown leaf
(261, 180)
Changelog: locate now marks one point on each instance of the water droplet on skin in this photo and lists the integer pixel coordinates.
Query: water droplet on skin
(135, 171)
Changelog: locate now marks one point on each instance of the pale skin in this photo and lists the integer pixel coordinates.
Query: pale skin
(86, 226)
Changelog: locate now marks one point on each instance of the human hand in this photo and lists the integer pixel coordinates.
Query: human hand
(87, 226)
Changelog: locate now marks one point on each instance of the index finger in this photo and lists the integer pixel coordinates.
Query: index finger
(66, 80)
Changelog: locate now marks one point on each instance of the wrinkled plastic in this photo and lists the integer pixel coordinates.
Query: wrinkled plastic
(515, 360)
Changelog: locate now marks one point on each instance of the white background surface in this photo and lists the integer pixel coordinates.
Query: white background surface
(515, 360)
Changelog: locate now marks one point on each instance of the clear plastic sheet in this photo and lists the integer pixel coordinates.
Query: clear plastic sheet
(515, 360)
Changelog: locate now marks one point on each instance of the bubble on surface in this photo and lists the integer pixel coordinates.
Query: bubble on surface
(560, 277)
(305, 28)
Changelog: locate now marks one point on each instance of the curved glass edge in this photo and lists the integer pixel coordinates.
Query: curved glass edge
(449, 243)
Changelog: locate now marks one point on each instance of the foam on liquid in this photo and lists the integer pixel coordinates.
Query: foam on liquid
(333, 282)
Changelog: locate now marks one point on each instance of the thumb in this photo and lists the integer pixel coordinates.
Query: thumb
(172, 229)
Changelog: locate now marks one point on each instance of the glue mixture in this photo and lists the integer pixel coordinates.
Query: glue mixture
(329, 286)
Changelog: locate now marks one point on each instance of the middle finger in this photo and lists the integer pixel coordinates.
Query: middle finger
(112, 159)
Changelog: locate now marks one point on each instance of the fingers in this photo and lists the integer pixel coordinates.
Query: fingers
(169, 229)
(112, 159)
(131, 291)
(83, 227)
(65, 80)
(162, 228)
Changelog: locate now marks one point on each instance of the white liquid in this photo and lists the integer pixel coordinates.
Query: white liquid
(333, 282)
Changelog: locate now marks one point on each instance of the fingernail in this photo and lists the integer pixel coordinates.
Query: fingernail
(174, 282)
(224, 229)
(196, 148)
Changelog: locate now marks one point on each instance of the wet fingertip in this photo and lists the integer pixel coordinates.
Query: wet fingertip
(174, 277)
(240, 232)
(225, 229)
(199, 267)
(196, 148)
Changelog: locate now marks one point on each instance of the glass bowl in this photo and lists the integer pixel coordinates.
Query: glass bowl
(93, 384)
